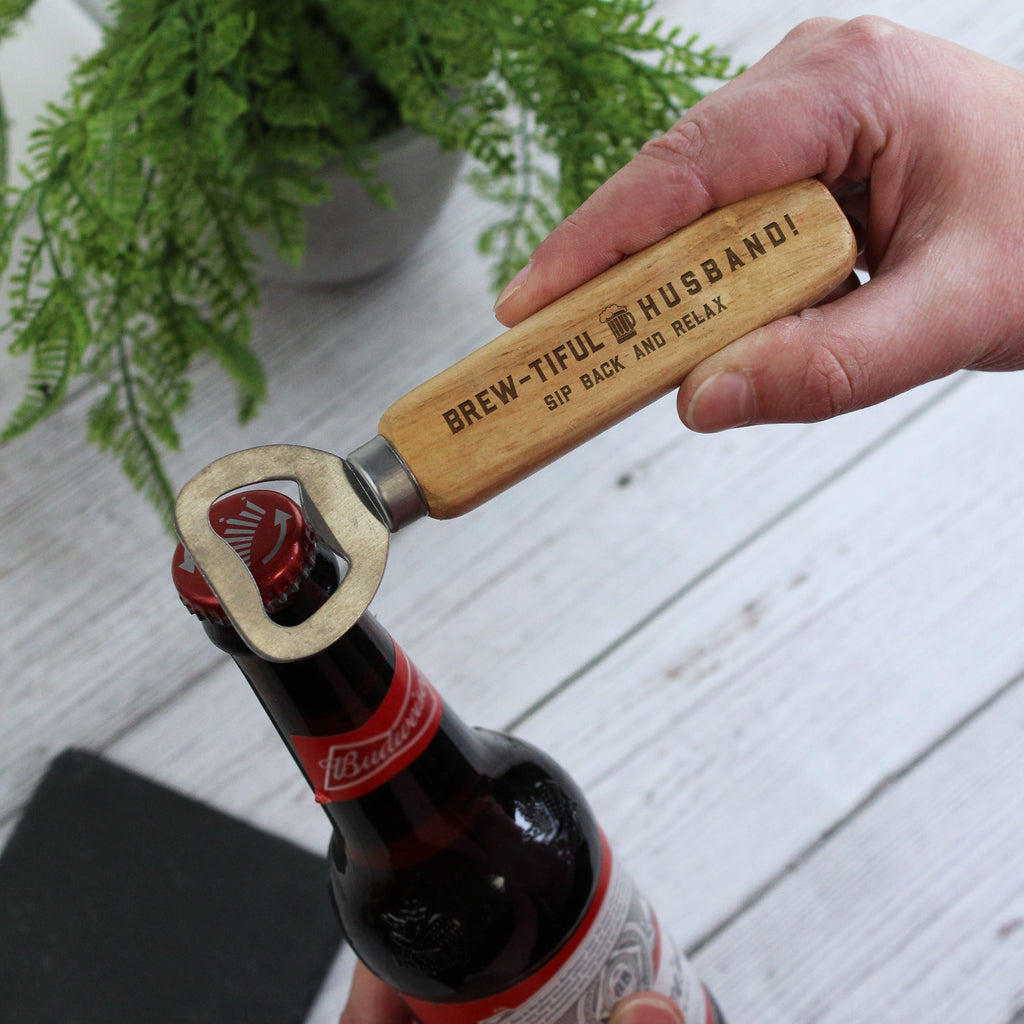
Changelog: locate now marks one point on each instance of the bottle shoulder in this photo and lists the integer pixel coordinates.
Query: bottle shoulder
(540, 799)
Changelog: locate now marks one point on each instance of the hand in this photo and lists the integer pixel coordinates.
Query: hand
(370, 1001)
(922, 141)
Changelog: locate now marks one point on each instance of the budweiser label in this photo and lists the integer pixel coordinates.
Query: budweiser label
(617, 950)
(351, 764)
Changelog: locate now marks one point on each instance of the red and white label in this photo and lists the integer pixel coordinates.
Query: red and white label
(617, 950)
(352, 764)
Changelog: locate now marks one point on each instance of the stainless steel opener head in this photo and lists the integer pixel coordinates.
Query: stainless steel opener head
(339, 510)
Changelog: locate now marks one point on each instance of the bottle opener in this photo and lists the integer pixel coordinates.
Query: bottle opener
(574, 368)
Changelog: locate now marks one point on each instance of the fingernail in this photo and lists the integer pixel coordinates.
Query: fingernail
(647, 1009)
(513, 286)
(723, 401)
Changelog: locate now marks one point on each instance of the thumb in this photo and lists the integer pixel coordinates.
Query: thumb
(646, 1008)
(858, 350)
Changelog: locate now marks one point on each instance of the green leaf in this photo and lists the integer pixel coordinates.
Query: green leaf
(140, 459)
(230, 34)
(288, 106)
(11, 11)
(57, 336)
(105, 419)
(224, 105)
(232, 351)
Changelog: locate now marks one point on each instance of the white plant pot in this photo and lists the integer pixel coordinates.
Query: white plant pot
(350, 236)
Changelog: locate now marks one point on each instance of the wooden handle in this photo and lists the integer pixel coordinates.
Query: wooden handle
(616, 343)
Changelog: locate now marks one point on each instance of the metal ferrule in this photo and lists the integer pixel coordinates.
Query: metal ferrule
(387, 482)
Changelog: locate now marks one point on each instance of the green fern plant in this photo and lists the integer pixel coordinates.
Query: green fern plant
(127, 251)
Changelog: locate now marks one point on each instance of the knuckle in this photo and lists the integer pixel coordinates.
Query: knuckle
(685, 140)
(861, 44)
(684, 148)
(811, 29)
(869, 47)
(832, 382)
(869, 32)
(578, 232)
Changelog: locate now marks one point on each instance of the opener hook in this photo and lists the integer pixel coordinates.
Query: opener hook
(336, 509)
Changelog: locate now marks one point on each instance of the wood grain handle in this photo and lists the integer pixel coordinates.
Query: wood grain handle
(616, 343)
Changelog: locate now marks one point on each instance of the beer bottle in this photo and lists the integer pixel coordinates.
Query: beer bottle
(466, 869)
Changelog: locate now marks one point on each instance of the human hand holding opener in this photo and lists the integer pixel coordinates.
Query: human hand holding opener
(579, 365)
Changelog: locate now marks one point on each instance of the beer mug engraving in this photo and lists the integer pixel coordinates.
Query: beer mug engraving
(621, 322)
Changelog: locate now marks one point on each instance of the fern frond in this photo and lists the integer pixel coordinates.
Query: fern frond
(57, 336)
(231, 349)
(128, 439)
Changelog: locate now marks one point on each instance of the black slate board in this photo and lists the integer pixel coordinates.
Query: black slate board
(122, 901)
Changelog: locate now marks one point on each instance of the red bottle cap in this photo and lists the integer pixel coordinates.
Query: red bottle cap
(269, 533)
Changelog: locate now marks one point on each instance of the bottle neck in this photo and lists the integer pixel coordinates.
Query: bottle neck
(331, 707)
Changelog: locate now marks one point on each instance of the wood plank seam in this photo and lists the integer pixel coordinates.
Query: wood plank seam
(884, 785)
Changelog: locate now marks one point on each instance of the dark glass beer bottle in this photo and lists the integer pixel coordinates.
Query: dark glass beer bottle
(465, 866)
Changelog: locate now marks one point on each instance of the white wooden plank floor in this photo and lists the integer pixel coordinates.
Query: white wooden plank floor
(785, 663)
